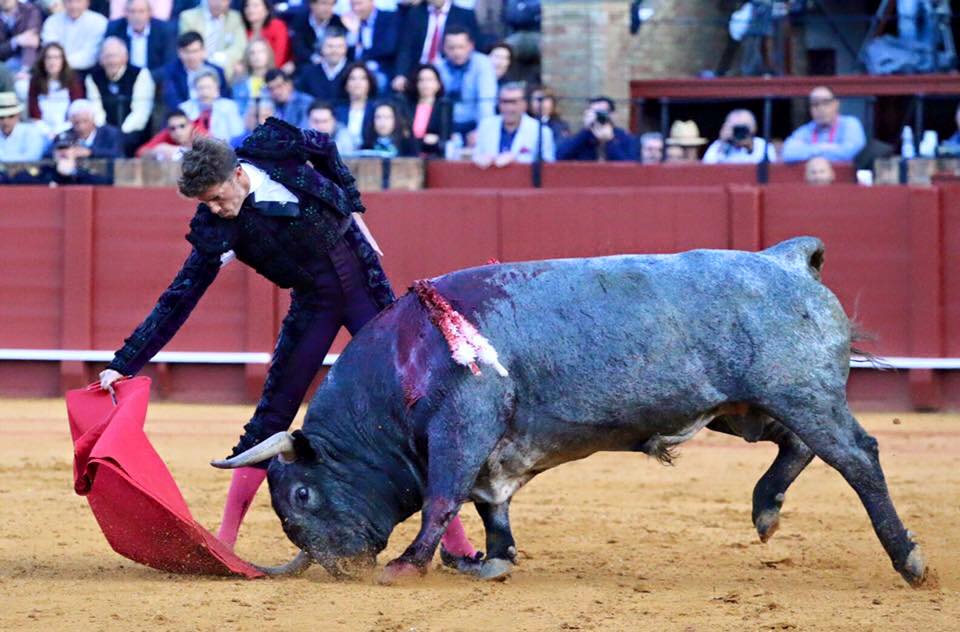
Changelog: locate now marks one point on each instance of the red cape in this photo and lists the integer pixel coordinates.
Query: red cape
(131, 492)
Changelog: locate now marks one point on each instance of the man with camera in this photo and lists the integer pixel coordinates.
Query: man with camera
(599, 139)
(738, 142)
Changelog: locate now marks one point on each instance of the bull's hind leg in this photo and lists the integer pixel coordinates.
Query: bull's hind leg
(833, 434)
(793, 457)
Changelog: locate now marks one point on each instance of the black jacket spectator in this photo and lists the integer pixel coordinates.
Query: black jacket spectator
(161, 43)
(313, 80)
(583, 146)
(415, 27)
(303, 39)
(175, 87)
(386, 38)
(107, 142)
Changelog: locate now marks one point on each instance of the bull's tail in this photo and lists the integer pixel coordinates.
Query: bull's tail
(801, 253)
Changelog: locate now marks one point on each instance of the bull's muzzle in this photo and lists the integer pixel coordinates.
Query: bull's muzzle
(280, 444)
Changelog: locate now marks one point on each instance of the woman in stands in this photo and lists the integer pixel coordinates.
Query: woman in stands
(543, 105)
(53, 86)
(432, 114)
(361, 89)
(257, 60)
(390, 133)
(501, 56)
(261, 22)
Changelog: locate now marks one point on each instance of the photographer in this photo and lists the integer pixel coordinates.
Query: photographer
(599, 139)
(738, 143)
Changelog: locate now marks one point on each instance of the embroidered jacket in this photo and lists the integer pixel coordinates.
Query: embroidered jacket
(282, 249)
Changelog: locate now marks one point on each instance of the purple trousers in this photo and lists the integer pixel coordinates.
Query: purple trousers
(340, 299)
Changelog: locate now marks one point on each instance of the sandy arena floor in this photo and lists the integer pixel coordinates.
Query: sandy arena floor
(615, 542)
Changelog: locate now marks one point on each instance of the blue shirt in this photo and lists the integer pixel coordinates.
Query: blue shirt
(24, 144)
(506, 138)
(841, 142)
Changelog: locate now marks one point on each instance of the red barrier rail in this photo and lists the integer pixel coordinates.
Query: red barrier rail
(80, 267)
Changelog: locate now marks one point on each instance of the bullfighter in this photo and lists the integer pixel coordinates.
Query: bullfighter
(287, 206)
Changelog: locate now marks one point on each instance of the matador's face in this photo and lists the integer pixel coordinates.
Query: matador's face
(225, 199)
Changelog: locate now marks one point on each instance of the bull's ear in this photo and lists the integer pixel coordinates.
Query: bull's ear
(302, 447)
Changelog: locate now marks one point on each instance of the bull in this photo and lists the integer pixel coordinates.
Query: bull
(626, 353)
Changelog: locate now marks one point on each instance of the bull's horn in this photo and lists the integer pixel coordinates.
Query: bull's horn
(280, 443)
(294, 567)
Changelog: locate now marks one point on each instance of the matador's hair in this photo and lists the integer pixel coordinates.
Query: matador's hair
(209, 162)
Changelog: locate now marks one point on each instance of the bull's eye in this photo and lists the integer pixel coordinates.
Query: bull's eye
(303, 495)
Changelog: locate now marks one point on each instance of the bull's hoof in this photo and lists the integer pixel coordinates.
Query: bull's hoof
(496, 568)
(462, 563)
(915, 569)
(398, 571)
(767, 523)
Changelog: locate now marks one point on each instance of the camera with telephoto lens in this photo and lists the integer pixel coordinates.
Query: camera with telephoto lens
(602, 117)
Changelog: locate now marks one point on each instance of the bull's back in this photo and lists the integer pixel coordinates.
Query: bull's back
(613, 339)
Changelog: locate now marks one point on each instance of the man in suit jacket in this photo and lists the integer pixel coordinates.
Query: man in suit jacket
(20, 24)
(290, 104)
(223, 32)
(468, 80)
(324, 80)
(151, 42)
(179, 74)
(372, 37)
(309, 29)
(84, 139)
(513, 136)
(422, 38)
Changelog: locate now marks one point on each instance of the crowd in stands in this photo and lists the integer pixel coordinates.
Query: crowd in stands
(125, 78)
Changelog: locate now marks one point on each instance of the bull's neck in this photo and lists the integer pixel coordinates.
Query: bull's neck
(384, 468)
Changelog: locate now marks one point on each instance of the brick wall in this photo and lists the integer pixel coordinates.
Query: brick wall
(588, 49)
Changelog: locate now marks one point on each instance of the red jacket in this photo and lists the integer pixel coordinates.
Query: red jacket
(275, 32)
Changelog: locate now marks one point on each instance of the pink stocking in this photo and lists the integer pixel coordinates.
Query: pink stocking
(455, 539)
(243, 487)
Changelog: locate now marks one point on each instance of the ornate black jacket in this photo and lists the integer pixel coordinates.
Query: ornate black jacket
(282, 249)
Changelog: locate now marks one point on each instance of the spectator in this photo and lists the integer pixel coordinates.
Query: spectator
(20, 24)
(955, 139)
(252, 84)
(684, 142)
(79, 30)
(217, 115)
(309, 29)
(291, 104)
(179, 74)
(223, 32)
(53, 85)
(432, 114)
(543, 106)
(324, 80)
(512, 136)
(159, 9)
(423, 33)
(818, 171)
(85, 139)
(501, 56)
(830, 134)
(151, 41)
(173, 140)
(322, 119)
(651, 148)
(389, 134)
(257, 113)
(468, 80)
(738, 142)
(19, 142)
(6, 79)
(361, 89)
(373, 36)
(599, 139)
(260, 20)
(122, 95)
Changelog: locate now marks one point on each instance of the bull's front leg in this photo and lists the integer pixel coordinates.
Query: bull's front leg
(457, 446)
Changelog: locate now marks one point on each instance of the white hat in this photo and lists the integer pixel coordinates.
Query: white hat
(9, 105)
